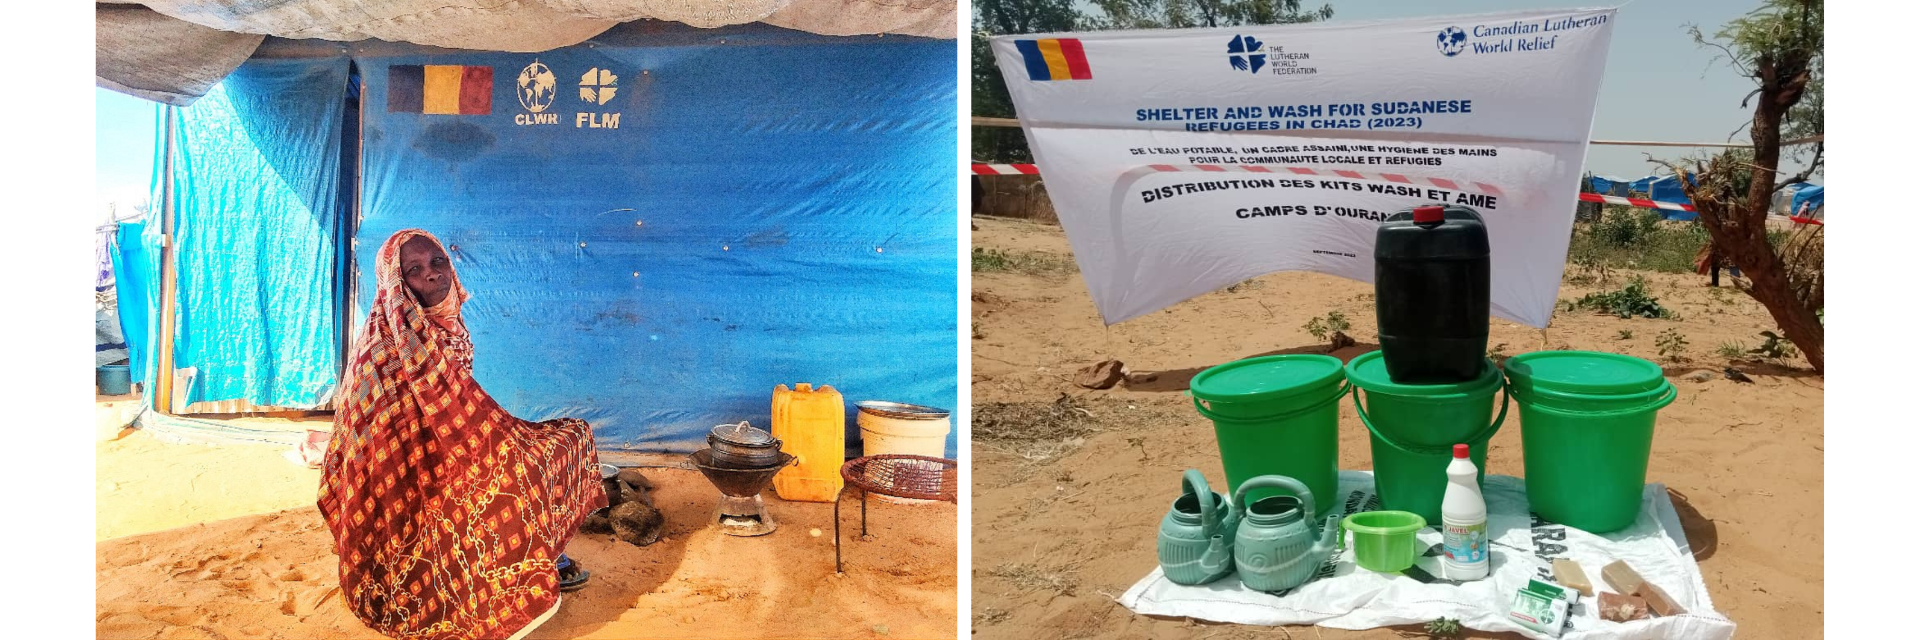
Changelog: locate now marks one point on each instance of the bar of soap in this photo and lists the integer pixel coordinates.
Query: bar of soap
(1622, 577)
(1658, 600)
(1621, 608)
(1568, 573)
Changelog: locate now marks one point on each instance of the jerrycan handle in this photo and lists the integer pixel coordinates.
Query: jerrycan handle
(1196, 484)
(1275, 482)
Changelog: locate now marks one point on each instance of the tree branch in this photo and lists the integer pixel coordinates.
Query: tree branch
(1736, 130)
(1731, 59)
(1818, 150)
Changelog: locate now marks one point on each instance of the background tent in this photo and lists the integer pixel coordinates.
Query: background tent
(1610, 186)
(657, 226)
(1668, 189)
(1813, 198)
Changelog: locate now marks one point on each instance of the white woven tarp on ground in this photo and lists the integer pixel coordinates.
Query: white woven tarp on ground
(1523, 548)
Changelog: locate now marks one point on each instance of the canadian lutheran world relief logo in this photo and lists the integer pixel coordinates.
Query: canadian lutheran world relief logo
(1241, 54)
(1452, 41)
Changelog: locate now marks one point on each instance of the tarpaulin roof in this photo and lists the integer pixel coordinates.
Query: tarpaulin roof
(173, 51)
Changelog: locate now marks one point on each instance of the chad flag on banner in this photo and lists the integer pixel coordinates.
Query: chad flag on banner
(1054, 59)
(439, 88)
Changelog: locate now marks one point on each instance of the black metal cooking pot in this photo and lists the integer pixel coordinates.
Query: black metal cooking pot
(739, 446)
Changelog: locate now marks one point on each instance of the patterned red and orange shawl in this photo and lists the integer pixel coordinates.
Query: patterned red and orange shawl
(447, 513)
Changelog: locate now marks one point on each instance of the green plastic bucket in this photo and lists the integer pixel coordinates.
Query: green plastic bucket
(1586, 428)
(1277, 415)
(1414, 428)
(1385, 541)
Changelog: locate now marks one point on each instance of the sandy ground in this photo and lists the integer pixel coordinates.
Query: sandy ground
(230, 546)
(145, 485)
(1063, 527)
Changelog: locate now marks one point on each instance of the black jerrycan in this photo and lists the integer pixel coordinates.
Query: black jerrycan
(1430, 274)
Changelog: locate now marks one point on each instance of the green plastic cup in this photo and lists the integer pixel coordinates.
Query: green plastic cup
(1414, 427)
(1586, 430)
(1277, 415)
(1385, 541)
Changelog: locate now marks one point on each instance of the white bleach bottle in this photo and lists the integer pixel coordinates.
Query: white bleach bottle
(1463, 519)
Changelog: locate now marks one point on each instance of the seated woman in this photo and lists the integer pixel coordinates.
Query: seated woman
(447, 513)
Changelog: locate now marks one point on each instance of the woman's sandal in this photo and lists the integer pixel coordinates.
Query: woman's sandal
(572, 577)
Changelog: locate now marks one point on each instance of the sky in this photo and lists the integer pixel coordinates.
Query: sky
(1659, 86)
(123, 128)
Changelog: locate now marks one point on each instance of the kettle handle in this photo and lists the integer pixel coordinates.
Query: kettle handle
(1291, 485)
(1196, 484)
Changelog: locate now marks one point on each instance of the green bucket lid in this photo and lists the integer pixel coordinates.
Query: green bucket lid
(1590, 373)
(1266, 378)
(1369, 371)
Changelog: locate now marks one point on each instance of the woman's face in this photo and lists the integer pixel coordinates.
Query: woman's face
(426, 271)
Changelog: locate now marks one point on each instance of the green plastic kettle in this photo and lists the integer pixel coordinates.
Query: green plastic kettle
(1196, 536)
(1275, 546)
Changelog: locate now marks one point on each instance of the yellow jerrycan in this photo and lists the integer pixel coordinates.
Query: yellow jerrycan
(813, 424)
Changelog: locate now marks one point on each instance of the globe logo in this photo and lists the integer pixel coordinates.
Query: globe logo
(1252, 62)
(536, 87)
(1452, 41)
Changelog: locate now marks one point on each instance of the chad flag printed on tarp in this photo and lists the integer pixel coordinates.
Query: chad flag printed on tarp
(1055, 59)
(439, 88)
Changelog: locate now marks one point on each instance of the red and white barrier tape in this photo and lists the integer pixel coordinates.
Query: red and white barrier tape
(1005, 169)
(1635, 202)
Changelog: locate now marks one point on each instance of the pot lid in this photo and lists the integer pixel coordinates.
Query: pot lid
(900, 410)
(741, 433)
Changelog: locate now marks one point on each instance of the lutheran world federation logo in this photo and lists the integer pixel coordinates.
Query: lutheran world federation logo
(1252, 60)
(1452, 41)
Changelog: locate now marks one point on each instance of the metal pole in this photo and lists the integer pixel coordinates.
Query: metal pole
(836, 528)
(163, 376)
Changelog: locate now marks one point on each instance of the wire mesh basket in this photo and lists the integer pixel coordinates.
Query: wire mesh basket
(905, 476)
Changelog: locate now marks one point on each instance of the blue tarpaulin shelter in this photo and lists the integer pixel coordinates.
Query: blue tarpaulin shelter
(1608, 186)
(1668, 189)
(1812, 197)
(657, 226)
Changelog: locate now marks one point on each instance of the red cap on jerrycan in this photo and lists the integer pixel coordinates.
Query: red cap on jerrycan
(1459, 451)
(1434, 213)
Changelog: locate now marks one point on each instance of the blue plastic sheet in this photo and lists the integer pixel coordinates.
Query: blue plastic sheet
(657, 232)
(136, 263)
(257, 203)
(1810, 197)
(1667, 189)
(1609, 186)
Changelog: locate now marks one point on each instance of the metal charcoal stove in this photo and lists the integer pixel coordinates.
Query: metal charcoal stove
(742, 512)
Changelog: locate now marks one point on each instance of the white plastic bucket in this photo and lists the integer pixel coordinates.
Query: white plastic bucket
(892, 428)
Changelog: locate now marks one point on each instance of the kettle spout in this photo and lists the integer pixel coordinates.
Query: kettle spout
(1329, 537)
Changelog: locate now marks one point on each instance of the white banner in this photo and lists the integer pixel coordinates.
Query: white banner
(1184, 161)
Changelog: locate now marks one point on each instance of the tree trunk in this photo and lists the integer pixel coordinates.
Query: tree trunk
(1739, 229)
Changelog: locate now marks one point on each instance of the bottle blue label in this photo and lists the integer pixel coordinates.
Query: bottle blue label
(1465, 543)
